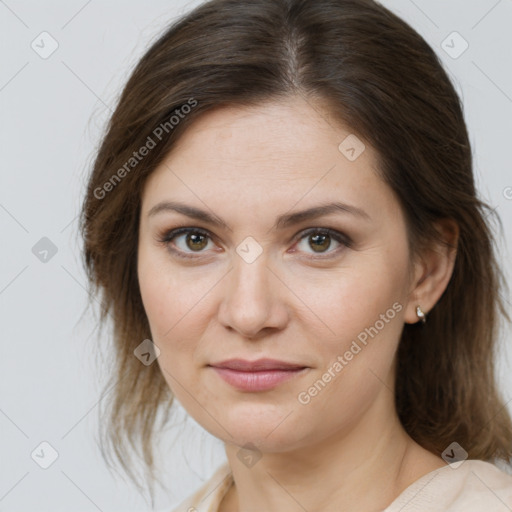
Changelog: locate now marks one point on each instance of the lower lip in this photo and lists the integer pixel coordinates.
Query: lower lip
(257, 381)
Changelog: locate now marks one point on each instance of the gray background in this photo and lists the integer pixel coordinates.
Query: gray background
(52, 112)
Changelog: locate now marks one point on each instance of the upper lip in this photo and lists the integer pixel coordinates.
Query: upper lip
(258, 365)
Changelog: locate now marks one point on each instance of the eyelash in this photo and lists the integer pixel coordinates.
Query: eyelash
(168, 236)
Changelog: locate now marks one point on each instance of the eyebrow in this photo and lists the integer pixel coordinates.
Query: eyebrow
(283, 221)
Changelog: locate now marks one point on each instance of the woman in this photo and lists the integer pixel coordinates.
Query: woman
(283, 223)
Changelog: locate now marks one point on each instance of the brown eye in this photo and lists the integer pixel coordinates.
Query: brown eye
(320, 240)
(183, 242)
(319, 243)
(196, 241)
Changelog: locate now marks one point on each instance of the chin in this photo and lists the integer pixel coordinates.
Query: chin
(270, 436)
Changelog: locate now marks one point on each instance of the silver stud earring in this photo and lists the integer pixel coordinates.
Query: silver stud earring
(421, 314)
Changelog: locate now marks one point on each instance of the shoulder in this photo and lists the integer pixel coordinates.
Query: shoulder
(208, 497)
(474, 486)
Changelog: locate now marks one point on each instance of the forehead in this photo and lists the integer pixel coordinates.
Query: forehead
(270, 136)
(275, 155)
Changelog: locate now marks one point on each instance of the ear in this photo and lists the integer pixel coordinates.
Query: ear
(432, 271)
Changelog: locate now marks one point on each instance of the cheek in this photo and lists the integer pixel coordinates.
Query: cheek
(356, 364)
(176, 303)
(360, 312)
(161, 292)
(155, 295)
(343, 303)
(166, 311)
(166, 294)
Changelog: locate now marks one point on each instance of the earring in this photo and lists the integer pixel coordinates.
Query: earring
(421, 314)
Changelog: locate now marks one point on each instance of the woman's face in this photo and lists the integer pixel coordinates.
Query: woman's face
(264, 282)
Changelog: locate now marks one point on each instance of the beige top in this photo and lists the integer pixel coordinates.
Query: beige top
(474, 486)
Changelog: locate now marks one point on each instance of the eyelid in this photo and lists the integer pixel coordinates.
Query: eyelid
(342, 239)
(168, 235)
(334, 233)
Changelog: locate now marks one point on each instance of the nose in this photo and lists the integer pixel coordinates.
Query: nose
(253, 299)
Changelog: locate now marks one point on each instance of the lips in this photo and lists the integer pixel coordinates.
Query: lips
(256, 376)
(256, 366)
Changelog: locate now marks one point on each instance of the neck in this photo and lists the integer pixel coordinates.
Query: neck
(361, 469)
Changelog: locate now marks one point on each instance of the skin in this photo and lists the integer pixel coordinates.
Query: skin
(345, 449)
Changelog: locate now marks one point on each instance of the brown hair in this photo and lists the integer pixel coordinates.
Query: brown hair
(378, 76)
